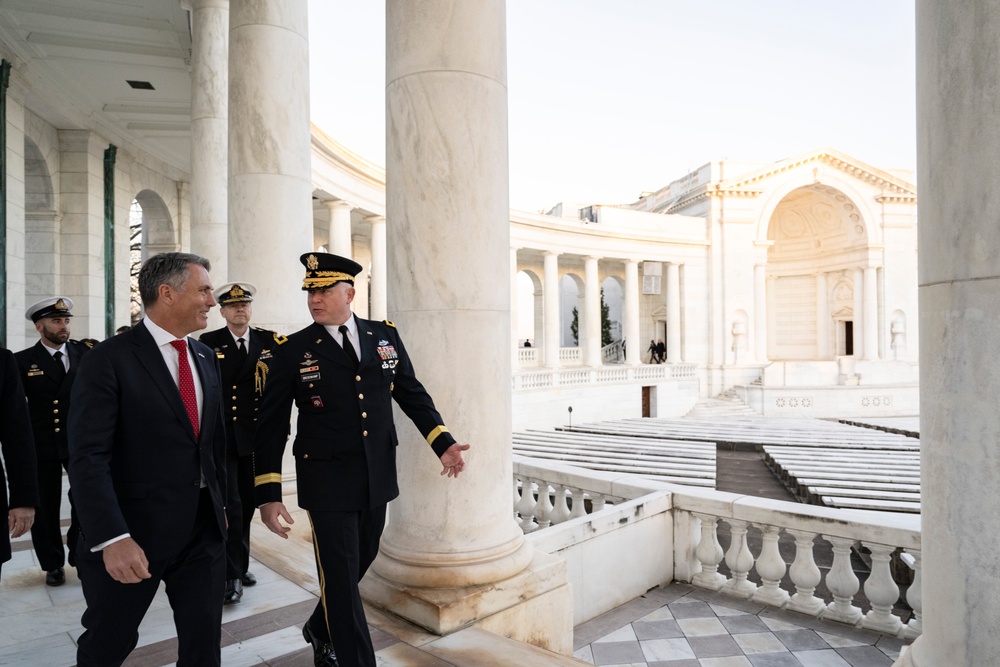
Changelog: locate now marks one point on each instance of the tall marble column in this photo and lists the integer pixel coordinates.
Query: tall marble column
(270, 190)
(452, 554)
(958, 167)
(760, 312)
(673, 343)
(339, 242)
(591, 313)
(210, 134)
(550, 311)
(633, 346)
(822, 318)
(377, 283)
(871, 313)
(859, 314)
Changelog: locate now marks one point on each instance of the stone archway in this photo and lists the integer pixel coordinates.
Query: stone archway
(817, 234)
(42, 265)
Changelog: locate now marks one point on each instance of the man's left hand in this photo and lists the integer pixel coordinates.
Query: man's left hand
(452, 462)
(19, 520)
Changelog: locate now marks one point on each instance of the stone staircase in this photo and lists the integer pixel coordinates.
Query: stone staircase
(726, 404)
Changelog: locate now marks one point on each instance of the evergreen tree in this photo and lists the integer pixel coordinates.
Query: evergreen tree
(606, 339)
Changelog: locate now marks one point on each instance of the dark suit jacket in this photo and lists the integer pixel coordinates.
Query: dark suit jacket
(345, 445)
(243, 381)
(134, 464)
(48, 397)
(18, 450)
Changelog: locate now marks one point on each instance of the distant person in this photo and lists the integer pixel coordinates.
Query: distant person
(17, 467)
(48, 369)
(661, 352)
(654, 357)
(527, 343)
(148, 465)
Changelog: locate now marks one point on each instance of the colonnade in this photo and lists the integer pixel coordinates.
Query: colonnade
(590, 322)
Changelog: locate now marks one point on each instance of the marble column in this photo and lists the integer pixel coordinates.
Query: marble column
(550, 310)
(81, 183)
(377, 283)
(760, 312)
(270, 189)
(591, 313)
(958, 167)
(859, 314)
(822, 318)
(871, 313)
(452, 554)
(673, 342)
(339, 242)
(633, 346)
(210, 134)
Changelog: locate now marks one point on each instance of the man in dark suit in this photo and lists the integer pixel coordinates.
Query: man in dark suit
(48, 369)
(341, 372)
(18, 456)
(147, 463)
(244, 353)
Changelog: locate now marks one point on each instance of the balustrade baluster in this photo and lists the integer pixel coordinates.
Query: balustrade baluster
(597, 502)
(526, 506)
(579, 509)
(805, 575)
(843, 583)
(740, 560)
(709, 554)
(543, 508)
(914, 597)
(882, 592)
(771, 569)
(560, 510)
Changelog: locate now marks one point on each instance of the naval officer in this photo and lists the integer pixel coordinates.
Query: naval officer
(48, 369)
(244, 353)
(341, 372)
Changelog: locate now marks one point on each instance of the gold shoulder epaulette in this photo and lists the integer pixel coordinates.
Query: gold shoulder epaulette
(279, 339)
(86, 342)
(389, 323)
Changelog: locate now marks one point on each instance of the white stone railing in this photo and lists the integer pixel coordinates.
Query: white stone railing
(612, 353)
(557, 377)
(570, 356)
(527, 356)
(695, 517)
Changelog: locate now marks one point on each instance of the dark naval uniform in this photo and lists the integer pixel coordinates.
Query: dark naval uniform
(345, 452)
(47, 385)
(18, 465)
(243, 381)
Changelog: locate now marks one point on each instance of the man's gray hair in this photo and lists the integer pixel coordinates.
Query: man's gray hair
(168, 268)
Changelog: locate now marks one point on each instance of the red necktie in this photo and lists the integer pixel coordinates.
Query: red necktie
(186, 379)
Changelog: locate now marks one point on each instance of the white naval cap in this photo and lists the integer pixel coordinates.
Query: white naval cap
(231, 293)
(54, 306)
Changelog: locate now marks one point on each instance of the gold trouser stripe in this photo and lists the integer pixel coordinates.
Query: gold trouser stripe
(268, 478)
(433, 435)
(322, 577)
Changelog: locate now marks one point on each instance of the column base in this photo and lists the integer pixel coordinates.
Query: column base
(534, 606)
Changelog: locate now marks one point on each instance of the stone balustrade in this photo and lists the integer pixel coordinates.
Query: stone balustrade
(575, 496)
(561, 377)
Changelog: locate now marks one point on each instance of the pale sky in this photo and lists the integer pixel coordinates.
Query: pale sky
(610, 98)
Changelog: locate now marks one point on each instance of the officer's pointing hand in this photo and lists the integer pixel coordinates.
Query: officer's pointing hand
(452, 462)
(269, 514)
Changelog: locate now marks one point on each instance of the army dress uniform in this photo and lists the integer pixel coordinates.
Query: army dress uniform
(345, 455)
(47, 385)
(244, 376)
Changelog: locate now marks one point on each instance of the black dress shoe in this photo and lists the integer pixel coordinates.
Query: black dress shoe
(234, 592)
(249, 579)
(56, 577)
(323, 655)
